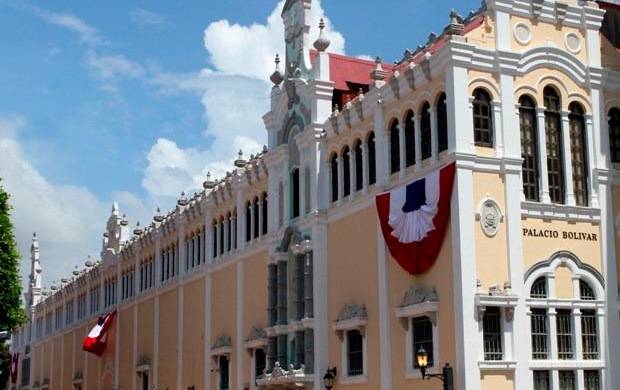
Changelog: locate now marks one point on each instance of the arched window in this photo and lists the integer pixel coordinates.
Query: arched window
(586, 292)
(394, 147)
(359, 165)
(333, 162)
(264, 213)
(222, 236)
(529, 148)
(372, 159)
(614, 134)
(539, 288)
(248, 221)
(553, 129)
(214, 238)
(409, 139)
(483, 120)
(256, 210)
(442, 123)
(425, 131)
(295, 193)
(234, 228)
(346, 170)
(579, 160)
(229, 233)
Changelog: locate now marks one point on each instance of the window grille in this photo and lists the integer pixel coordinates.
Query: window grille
(265, 218)
(483, 121)
(282, 293)
(564, 334)
(539, 288)
(394, 147)
(334, 173)
(579, 161)
(422, 328)
(492, 333)
(272, 287)
(541, 380)
(591, 380)
(224, 373)
(589, 335)
(300, 349)
(567, 380)
(585, 291)
(614, 134)
(425, 131)
(359, 166)
(409, 139)
(299, 287)
(372, 164)
(529, 148)
(282, 355)
(539, 334)
(553, 134)
(355, 353)
(272, 352)
(260, 362)
(309, 344)
(346, 171)
(442, 123)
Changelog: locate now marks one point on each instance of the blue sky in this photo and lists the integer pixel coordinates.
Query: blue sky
(135, 100)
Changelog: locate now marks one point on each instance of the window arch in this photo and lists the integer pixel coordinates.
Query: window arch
(614, 134)
(256, 210)
(539, 288)
(295, 193)
(394, 147)
(529, 148)
(425, 131)
(586, 292)
(333, 163)
(346, 171)
(483, 118)
(553, 135)
(264, 213)
(372, 159)
(359, 165)
(442, 123)
(409, 139)
(579, 160)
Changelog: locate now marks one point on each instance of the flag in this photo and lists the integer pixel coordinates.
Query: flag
(414, 217)
(14, 362)
(96, 341)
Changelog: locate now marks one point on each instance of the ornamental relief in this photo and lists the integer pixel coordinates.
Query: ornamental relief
(490, 216)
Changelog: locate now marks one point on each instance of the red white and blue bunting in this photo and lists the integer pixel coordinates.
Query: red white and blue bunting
(414, 218)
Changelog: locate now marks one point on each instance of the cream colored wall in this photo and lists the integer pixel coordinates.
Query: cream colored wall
(168, 339)
(80, 333)
(484, 35)
(108, 358)
(254, 302)
(360, 259)
(491, 252)
(497, 380)
(35, 363)
(536, 249)
(47, 363)
(145, 329)
(67, 364)
(439, 276)
(56, 364)
(223, 315)
(126, 367)
(563, 283)
(193, 334)
(539, 78)
(93, 363)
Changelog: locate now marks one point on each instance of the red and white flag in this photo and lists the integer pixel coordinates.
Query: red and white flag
(14, 362)
(96, 341)
(414, 217)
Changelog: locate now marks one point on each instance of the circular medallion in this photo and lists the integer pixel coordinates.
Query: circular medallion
(522, 33)
(573, 42)
(490, 217)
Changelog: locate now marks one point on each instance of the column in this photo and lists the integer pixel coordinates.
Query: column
(385, 363)
(303, 210)
(308, 288)
(592, 189)
(569, 196)
(180, 334)
(498, 139)
(340, 178)
(459, 111)
(155, 367)
(352, 172)
(239, 336)
(225, 232)
(553, 346)
(365, 167)
(417, 134)
(209, 235)
(434, 140)
(542, 154)
(182, 247)
(322, 327)
(401, 150)
(381, 146)
(207, 338)
(301, 205)
(218, 231)
(578, 344)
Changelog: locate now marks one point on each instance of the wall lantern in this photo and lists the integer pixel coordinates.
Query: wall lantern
(329, 378)
(446, 376)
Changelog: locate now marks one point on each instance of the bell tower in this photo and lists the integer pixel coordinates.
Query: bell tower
(296, 17)
(34, 293)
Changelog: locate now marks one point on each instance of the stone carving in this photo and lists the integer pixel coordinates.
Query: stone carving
(359, 105)
(257, 333)
(222, 342)
(417, 295)
(394, 84)
(143, 360)
(350, 311)
(410, 76)
(490, 217)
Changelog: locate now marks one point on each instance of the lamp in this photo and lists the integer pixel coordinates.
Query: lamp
(446, 376)
(329, 378)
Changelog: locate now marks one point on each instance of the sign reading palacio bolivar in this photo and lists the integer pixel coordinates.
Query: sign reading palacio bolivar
(564, 234)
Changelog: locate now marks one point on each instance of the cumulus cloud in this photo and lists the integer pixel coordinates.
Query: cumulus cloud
(235, 95)
(144, 17)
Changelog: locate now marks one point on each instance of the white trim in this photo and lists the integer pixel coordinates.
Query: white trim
(240, 310)
(385, 363)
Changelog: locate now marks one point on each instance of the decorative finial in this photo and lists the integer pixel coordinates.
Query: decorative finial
(378, 74)
(264, 148)
(456, 26)
(240, 162)
(138, 230)
(183, 200)
(322, 43)
(124, 221)
(277, 77)
(76, 271)
(208, 184)
(158, 217)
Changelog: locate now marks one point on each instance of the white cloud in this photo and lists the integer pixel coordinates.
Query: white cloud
(235, 96)
(88, 34)
(113, 66)
(145, 17)
(68, 219)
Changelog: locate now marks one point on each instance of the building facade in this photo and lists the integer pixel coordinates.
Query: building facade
(278, 272)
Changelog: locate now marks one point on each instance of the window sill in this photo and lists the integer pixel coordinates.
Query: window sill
(492, 365)
(566, 364)
(559, 212)
(353, 380)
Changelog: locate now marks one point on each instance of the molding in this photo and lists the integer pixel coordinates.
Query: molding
(560, 212)
(497, 365)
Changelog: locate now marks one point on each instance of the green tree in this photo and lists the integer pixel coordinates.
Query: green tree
(11, 312)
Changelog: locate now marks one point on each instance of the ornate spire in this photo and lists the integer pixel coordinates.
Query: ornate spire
(208, 184)
(158, 217)
(277, 77)
(183, 200)
(378, 74)
(322, 43)
(240, 162)
(138, 230)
